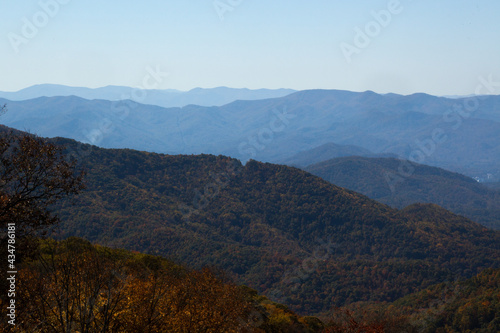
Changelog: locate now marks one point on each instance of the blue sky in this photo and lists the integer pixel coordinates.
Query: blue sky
(437, 47)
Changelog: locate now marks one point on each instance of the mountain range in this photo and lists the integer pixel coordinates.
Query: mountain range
(426, 129)
(165, 98)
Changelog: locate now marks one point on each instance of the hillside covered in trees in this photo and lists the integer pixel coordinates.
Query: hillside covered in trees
(282, 231)
(460, 306)
(72, 285)
(400, 183)
(470, 305)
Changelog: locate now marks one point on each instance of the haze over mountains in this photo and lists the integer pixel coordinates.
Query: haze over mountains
(328, 151)
(430, 130)
(166, 97)
(316, 130)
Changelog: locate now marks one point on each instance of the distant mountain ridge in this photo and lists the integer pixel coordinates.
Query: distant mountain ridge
(328, 151)
(275, 129)
(160, 97)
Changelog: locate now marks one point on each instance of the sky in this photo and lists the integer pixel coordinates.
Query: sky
(401, 46)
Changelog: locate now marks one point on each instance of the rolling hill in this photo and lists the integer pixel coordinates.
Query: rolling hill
(382, 179)
(470, 305)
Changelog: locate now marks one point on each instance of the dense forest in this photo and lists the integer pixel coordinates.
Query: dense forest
(469, 305)
(400, 183)
(457, 306)
(75, 286)
(282, 231)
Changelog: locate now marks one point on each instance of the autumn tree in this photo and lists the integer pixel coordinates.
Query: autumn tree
(75, 287)
(33, 175)
(199, 301)
(70, 288)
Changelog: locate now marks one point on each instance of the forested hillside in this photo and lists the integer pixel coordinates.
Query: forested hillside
(460, 306)
(290, 235)
(73, 285)
(469, 305)
(399, 184)
(495, 186)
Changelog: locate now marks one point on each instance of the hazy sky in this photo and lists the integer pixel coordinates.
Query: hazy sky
(438, 47)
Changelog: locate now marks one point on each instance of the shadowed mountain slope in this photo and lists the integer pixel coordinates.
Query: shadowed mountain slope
(295, 237)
